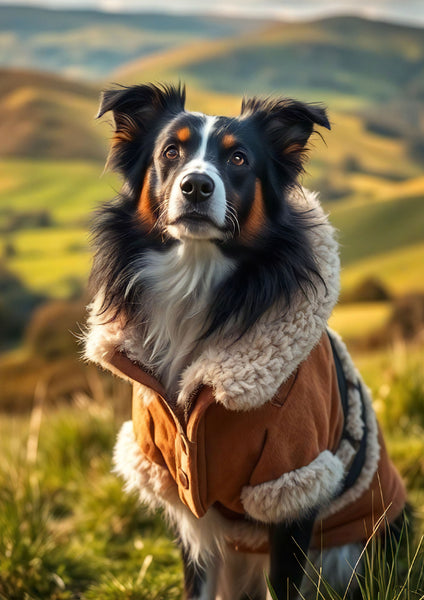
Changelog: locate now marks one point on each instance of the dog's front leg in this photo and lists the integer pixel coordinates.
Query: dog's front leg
(199, 580)
(289, 543)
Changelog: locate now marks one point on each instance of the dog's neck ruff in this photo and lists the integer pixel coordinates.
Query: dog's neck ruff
(247, 372)
(177, 291)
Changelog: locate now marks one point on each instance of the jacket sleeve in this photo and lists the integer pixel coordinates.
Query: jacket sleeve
(299, 468)
(281, 460)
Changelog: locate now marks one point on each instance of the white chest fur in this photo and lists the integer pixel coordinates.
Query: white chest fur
(177, 299)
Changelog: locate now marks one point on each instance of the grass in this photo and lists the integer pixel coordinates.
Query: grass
(53, 259)
(400, 269)
(67, 189)
(68, 531)
(378, 228)
(359, 319)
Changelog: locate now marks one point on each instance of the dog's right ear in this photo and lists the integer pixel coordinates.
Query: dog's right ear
(137, 113)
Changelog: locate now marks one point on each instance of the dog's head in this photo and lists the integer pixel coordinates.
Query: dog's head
(207, 182)
(206, 177)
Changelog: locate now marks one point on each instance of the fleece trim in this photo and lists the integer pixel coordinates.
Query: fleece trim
(355, 427)
(296, 493)
(249, 371)
(153, 483)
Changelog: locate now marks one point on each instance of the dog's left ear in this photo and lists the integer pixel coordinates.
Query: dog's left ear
(137, 110)
(288, 125)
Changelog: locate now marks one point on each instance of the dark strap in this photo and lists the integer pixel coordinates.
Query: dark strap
(359, 459)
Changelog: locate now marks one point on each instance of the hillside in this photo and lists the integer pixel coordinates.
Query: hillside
(47, 116)
(366, 178)
(90, 44)
(345, 57)
(368, 170)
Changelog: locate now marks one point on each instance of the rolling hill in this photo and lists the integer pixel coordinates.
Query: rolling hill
(89, 44)
(349, 58)
(47, 116)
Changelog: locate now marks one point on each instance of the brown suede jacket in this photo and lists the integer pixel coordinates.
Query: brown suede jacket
(288, 452)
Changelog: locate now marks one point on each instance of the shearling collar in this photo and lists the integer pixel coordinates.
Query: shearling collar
(248, 372)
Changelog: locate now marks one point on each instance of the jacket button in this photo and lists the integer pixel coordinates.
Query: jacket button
(183, 478)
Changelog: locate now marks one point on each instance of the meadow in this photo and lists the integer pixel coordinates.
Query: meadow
(67, 531)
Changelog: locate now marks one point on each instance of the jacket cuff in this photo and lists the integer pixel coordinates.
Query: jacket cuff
(295, 494)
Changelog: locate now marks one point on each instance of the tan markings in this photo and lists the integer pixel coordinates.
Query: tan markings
(295, 147)
(126, 127)
(228, 140)
(144, 208)
(121, 136)
(256, 219)
(183, 134)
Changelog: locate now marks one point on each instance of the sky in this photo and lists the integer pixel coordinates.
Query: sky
(409, 11)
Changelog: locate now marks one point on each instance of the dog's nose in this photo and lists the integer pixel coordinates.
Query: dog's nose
(197, 187)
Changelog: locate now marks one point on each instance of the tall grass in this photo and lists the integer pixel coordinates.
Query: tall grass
(390, 569)
(67, 530)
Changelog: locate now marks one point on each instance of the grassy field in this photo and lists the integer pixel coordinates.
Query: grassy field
(53, 257)
(68, 532)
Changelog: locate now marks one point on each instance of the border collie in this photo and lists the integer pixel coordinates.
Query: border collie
(214, 276)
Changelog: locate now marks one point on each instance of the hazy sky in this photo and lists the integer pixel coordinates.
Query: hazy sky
(411, 11)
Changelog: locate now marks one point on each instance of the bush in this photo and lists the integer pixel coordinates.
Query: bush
(16, 304)
(370, 289)
(407, 320)
(13, 221)
(51, 331)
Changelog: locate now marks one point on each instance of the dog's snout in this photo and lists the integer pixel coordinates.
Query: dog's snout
(197, 187)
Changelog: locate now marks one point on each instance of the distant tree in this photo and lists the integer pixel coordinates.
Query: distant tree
(370, 289)
(53, 329)
(16, 304)
(407, 320)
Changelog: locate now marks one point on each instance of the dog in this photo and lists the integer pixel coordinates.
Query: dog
(213, 278)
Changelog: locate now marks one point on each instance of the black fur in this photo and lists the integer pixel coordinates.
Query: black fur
(276, 268)
(289, 544)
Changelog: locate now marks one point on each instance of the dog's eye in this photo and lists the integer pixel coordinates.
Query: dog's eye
(238, 159)
(171, 152)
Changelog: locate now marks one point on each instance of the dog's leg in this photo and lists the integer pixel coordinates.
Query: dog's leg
(289, 545)
(199, 580)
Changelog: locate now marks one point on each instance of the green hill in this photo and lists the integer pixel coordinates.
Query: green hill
(90, 44)
(48, 116)
(367, 180)
(347, 57)
(368, 171)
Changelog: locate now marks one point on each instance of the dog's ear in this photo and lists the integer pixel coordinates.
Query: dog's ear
(137, 112)
(288, 125)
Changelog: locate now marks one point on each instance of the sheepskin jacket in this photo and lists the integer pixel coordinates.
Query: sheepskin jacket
(258, 433)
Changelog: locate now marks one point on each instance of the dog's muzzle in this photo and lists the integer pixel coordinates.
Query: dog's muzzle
(197, 205)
